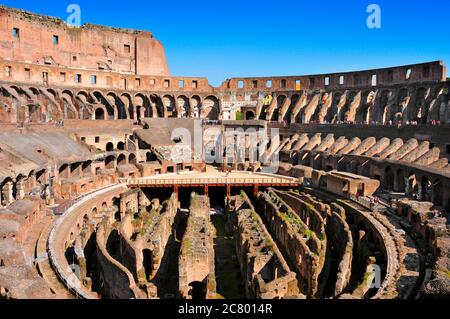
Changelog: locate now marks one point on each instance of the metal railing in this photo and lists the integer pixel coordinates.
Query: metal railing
(212, 181)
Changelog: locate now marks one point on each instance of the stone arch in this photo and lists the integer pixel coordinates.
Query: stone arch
(126, 99)
(53, 93)
(69, 107)
(83, 100)
(86, 221)
(35, 91)
(157, 106)
(142, 105)
(18, 90)
(332, 113)
(115, 100)
(100, 113)
(280, 102)
(183, 107)
(53, 96)
(8, 113)
(170, 109)
(364, 113)
(343, 114)
(111, 110)
(34, 112)
(151, 157)
(197, 290)
(109, 147)
(132, 159)
(210, 108)
(250, 115)
(121, 146)
(196, 106)
(41, 176)
(121, 159)
(86, 167)
(294, 100)
(110, 162)
(64, 171)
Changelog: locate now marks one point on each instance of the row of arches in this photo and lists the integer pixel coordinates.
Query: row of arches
(30, 104)
(414, 185)
(42, 182)
(381, 106)
(15, 188)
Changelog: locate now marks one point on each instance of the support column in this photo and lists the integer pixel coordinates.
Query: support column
(228, 191)
(20, 187)
(143, 200)
(206, 190)
(408, 188)
(32, 181)
(7, 192)
(419, 192)
(255, 190)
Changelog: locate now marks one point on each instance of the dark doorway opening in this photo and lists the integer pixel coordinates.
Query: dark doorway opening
(198, 291)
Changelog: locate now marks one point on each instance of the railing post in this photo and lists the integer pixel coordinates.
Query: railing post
(255, 190)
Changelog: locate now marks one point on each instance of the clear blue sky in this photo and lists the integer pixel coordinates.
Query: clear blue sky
(232, 38)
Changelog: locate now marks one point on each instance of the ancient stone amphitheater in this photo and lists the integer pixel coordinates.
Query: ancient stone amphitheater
(118, 180)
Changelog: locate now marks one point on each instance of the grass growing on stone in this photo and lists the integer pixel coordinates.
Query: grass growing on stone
(445, 272)
(187, 244)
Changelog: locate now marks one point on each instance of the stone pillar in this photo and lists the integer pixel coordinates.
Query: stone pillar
(408, 188)
(7, 192)
(32, 181)
(143, 200)
(20, 188)
(420, 194)
(179, 107)
(50, 192)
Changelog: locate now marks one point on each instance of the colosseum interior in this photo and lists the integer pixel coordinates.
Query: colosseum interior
(121, 181)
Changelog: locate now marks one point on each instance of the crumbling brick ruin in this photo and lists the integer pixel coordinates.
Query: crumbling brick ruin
(196, 256)
(266, 273)
(117, 179)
